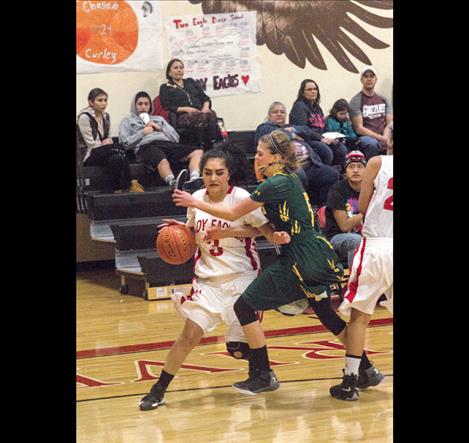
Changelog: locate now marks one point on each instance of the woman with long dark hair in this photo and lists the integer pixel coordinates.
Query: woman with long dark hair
(186, 98)
(96, 146)
(307, 111)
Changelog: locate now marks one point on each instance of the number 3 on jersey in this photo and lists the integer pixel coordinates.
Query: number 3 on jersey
(388, 202)
(216, 250)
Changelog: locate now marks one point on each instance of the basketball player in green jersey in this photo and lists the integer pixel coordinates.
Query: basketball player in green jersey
(306, 267)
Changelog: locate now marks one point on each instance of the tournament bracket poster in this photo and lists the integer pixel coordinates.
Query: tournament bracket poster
(218, 51)
(118, 35)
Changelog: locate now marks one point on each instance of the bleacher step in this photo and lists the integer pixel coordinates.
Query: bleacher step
(148, 204)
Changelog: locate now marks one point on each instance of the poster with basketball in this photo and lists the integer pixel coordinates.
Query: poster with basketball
(118, 36)
(218, 50)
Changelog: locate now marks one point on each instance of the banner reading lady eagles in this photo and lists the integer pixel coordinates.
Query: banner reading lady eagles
(118, 36)
(218, 50)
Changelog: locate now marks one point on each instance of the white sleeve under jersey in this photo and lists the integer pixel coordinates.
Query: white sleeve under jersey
(379, 215)
(217, 258)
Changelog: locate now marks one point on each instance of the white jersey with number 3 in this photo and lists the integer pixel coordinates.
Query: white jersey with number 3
(228, 256)
(378, 218)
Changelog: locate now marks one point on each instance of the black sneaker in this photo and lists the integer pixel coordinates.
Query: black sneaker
(153, 399)
(181, 179)
(194, 184)
(262, 382)
(369, 377)
(347, 390)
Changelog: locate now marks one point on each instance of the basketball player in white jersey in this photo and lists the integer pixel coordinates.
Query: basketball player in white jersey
(372, 269)
(224, 268)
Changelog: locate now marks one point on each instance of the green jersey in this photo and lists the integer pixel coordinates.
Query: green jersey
(286, 204)
(308, 263)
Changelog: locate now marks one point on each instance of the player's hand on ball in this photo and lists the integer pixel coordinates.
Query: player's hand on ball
(183, 198)
(281, 237)
(169, 221)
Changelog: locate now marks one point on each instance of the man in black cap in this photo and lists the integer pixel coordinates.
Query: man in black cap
(370, 113)
(343, 219)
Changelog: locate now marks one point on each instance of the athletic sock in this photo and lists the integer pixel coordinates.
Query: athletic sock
(364, 362)
(261, 358)
(352, 362)
(252, 365)
(165, 379)
(194, 174)
(168, 179)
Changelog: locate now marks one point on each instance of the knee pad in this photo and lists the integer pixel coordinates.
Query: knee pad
(328, 316)
(239, 350)
(244, 312)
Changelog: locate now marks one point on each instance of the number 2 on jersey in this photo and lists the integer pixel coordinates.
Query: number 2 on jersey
(388, 202)
(216, 250)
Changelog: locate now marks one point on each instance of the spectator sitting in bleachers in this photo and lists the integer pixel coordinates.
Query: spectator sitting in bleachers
(338, 121)
(316, 177)
(370, 113)
(306, 111)
(343, 218)
(96, 147)
(156, 143)
(192, 106)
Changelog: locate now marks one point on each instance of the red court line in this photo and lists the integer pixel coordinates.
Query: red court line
(157, 346)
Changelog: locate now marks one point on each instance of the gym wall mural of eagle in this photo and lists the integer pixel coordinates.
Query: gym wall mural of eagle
(291, 27)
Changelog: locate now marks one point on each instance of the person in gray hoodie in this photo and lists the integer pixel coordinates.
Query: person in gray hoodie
(156, 142)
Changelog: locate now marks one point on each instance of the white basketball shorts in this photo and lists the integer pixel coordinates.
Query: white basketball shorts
(370, 277)
(211, 302)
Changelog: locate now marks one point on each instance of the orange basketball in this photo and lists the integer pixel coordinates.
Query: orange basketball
(175, 244)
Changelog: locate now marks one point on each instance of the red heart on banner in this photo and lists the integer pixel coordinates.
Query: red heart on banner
(245, 79)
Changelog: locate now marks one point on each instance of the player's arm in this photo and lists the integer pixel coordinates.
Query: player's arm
(238, 231)
(367, 188)
(231, 213)
(346, 223)
(275, 237)
(357, 122)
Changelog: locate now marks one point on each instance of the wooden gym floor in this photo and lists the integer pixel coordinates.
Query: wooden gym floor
(122, 342)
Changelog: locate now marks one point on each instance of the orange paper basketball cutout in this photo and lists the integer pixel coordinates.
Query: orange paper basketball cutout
(107, 32)
(175, 244)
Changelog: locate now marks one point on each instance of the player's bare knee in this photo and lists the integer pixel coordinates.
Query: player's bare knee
(188, 340)
(359, 317)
